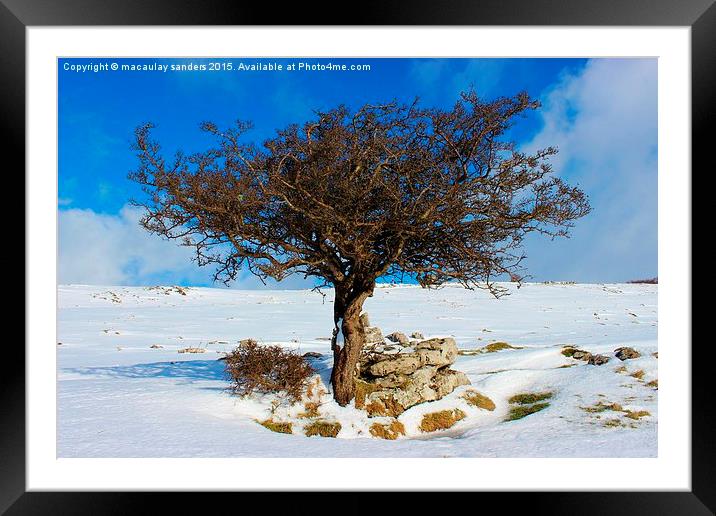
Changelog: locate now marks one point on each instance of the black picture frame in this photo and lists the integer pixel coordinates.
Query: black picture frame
(17, 15)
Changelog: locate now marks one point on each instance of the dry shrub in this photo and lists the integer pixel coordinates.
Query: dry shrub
(390, 431)
(311, 410)
(322, 428)
(267, 369)
(441, 420)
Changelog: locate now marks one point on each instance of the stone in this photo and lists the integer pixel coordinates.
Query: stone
(398, 337)
(582, 355)
(626, 353)
(365, 321)
(373, 335)
(192, 350)
(417, 335)
(312, 354)
(390, 383)
(401, 363)
(598, 359)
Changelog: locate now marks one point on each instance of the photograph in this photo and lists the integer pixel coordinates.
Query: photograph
(347, 257)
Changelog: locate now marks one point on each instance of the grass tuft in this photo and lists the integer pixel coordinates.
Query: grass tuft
(478, 400)
(322, 428)
(311, 410)
(530, 397)
(441, 420)
(602, 407)
(638, 374)
(525, 410)
(277, 426)
(391, 431)
(637, 414)
(499, 346)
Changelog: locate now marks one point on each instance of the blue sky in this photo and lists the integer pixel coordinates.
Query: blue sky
(600, 113)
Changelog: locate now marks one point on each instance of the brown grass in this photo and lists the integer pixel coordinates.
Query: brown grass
(478, 400)
(602, 407)
(637, 414)
(322, 428)
(638, 374)
(363, 389)
(441, 420)
(654, 384)
(391, 431)
(620, 369)
(311, 410)
(613, 422)
(276, 426)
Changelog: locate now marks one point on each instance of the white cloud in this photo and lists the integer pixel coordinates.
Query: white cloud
(103, 249)
(604, 122)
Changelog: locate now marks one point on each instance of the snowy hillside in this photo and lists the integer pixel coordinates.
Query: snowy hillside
(120, 397)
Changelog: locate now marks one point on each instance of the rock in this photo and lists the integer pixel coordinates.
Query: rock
(582, 355)
(373, 335)
(390, 383)
(400, 363)
(447, 380)
(156, 346)
(192, 350)
(417, 335)
(312, 354)
(398, 337)
(626, 353)
(598, 359)
(365, 321)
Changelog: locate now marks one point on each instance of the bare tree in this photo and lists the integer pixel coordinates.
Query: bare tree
(349, 197)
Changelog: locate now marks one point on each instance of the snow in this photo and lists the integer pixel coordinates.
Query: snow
(117, 397)
(340, 340)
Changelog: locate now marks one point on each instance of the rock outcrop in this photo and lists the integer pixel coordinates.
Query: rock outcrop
(395, 377)
(626, 353)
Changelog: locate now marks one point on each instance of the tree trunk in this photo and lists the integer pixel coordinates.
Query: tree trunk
(348, 341)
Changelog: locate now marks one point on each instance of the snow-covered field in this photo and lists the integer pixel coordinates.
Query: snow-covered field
(119, 397)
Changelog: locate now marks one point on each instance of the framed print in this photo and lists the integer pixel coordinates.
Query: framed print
(432, 250)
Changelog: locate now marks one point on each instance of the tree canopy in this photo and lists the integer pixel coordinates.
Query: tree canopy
(353, 195)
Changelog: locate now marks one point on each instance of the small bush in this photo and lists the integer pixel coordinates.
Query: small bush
(441, 420)
(654, 384)
(322, 428)
(476, 399)
(529, 397)
(267, 369)
(525, 410)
